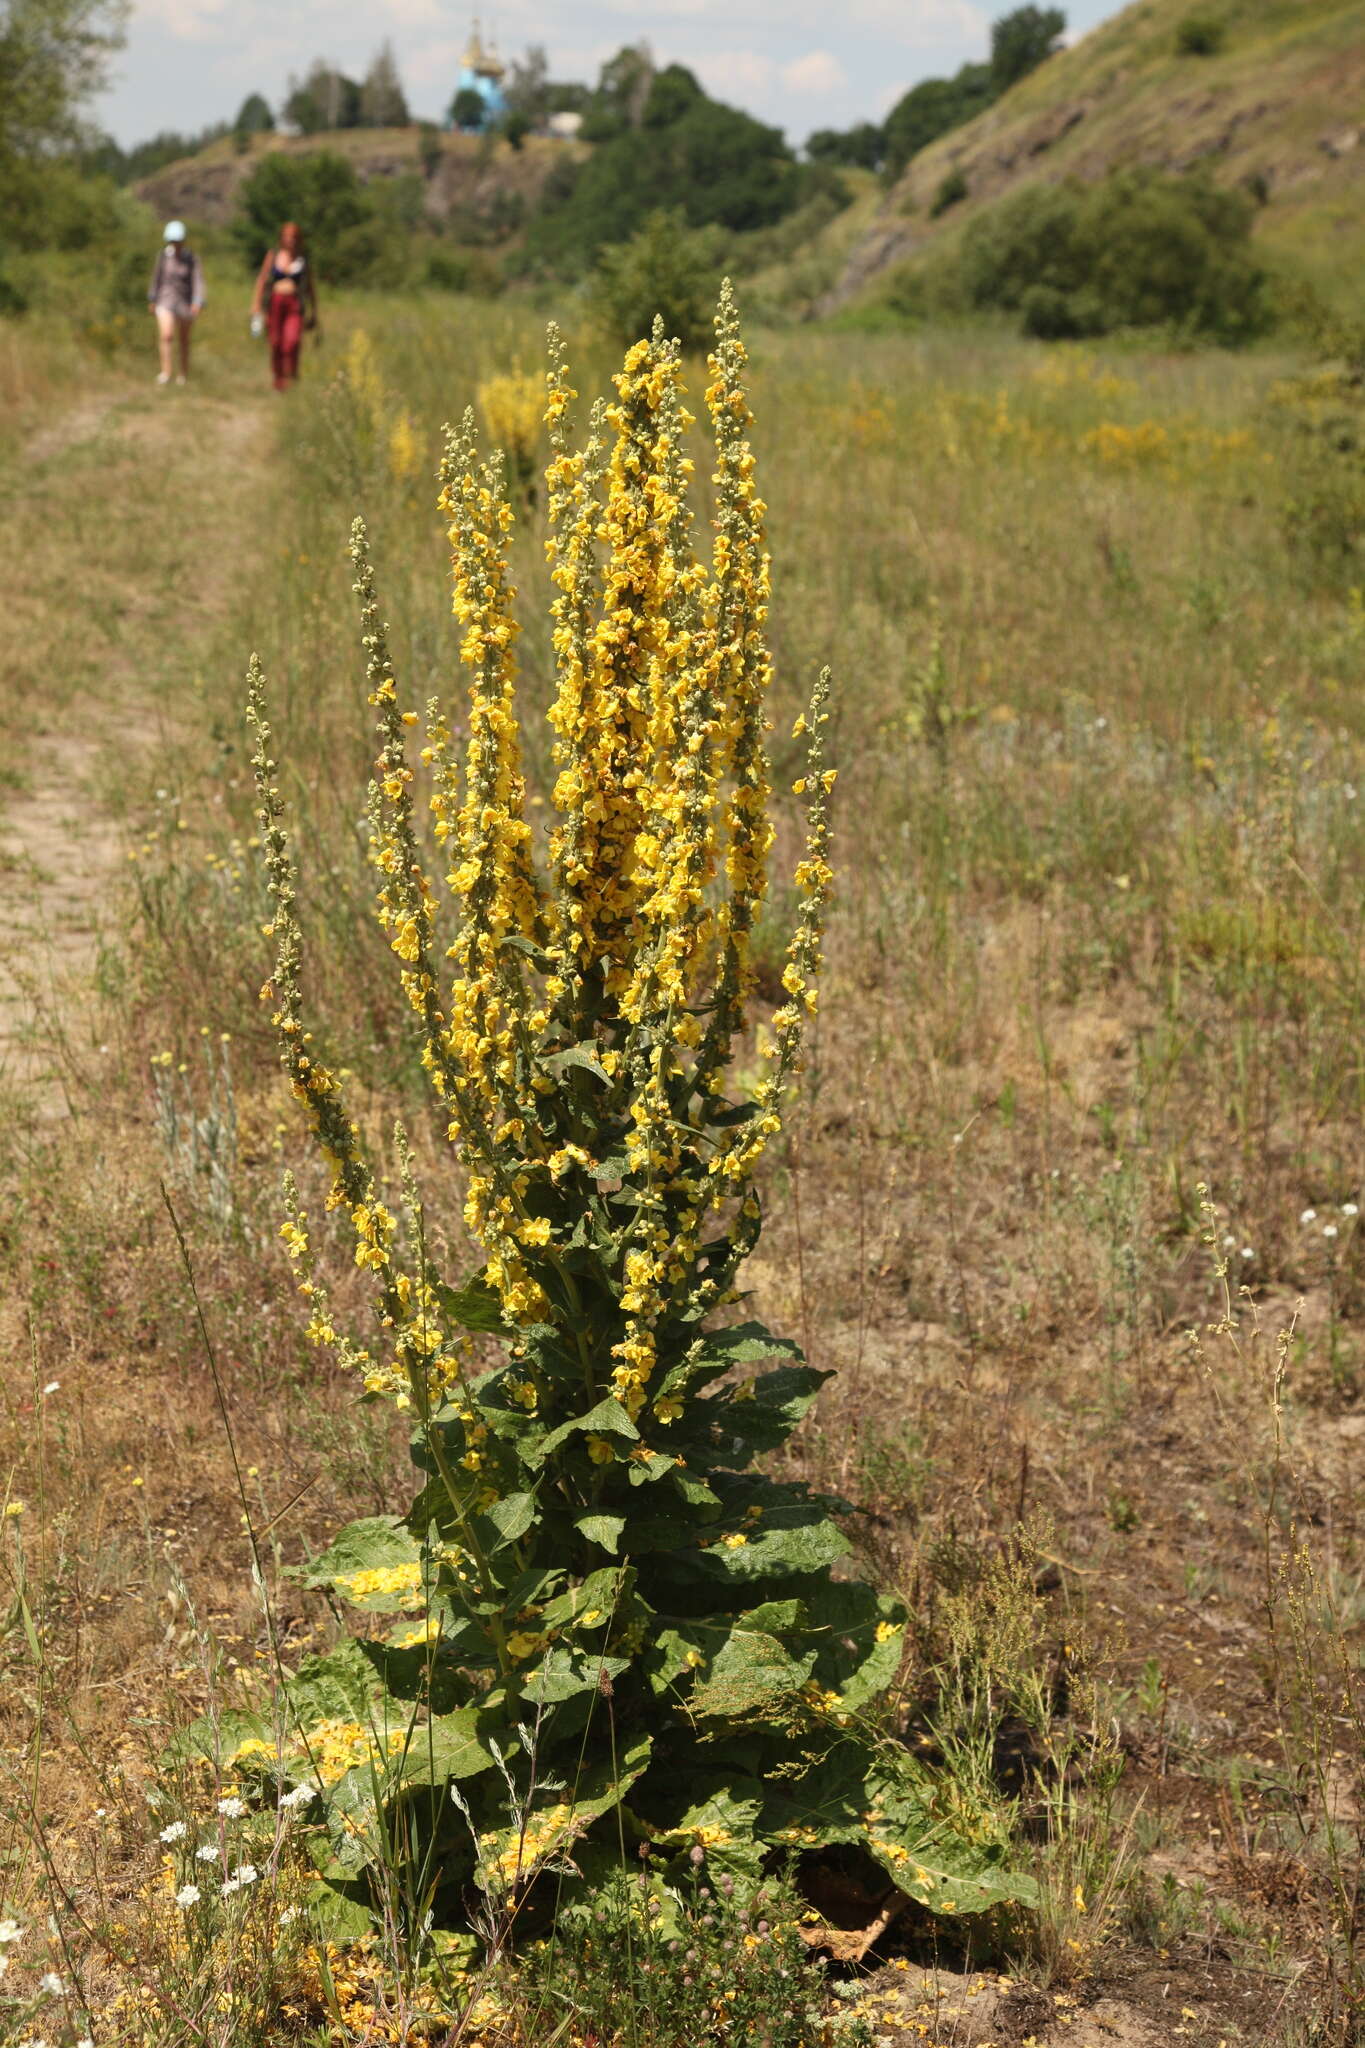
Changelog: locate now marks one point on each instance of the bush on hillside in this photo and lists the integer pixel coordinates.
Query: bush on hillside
(1139, 249)
(663, 269)
(952, 190)
(1200, 36)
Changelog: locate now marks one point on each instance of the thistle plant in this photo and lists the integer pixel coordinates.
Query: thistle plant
(610, 1626)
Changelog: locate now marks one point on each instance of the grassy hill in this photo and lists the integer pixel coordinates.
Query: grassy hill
(1279, 105)
(469, 173)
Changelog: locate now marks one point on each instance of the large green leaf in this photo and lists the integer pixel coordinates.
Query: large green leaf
(605, 1531)
(475, 1306)
(608, 1418)
(760, 1414)
(565, 1672)
(379, 1544)
(750, 1672)
(788, 1544)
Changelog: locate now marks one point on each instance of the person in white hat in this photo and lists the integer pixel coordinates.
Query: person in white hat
(176, 296)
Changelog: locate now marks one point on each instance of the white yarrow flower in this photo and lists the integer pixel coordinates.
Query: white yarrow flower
(300, 1796)
(1350, 1209)
(232, 1809)
(10, 1930)
(1329, 1229)
(1308, 1216)
(187, 1896)
(52, 1387)
(174, 1833)
(52, 1984)
(207, 1852)
(245, 1873)
(1247, 1252)
(1228, 1242)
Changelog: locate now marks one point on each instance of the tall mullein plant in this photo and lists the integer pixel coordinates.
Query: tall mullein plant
(603, 1574)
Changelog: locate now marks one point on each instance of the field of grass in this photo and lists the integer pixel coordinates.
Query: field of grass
(1069, 1202)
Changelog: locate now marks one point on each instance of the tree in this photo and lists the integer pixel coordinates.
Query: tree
(53, 55)
(715, 165)
(468, 110)
(528, 84)
(931, 109)
(382, 102)
(319, 190)
(254, 116)
(863, 146)
(326, 99)
(623, 86)
(1021, 41)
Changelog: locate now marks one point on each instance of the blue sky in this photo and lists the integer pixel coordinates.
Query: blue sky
(800, 64)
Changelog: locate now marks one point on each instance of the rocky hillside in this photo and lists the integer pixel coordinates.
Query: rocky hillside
(1279, 105)
(472, 177)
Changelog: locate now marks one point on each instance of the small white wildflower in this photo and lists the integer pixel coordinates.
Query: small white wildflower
(1350, 1209)
(230, 1885)
(288, 1916)
(1308, 1216)
(10, 1930)
(187, 1896)
(207, 1852)
(174, 1833)
(1229, 1241)
(52, 1984)
(231, 1809)
(300, 1796)
(52, 1387)
(245, 1873)
(1348, 790)
(85, 2042)
(1247, 1252)
(1329, 1229)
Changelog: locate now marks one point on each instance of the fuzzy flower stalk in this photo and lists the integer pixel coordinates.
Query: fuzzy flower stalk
(595, 1550)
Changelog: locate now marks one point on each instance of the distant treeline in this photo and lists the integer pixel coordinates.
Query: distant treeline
(1020, 42)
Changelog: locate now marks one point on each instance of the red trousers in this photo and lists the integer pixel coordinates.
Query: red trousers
(285, 328)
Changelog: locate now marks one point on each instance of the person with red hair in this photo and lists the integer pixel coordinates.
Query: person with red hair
(286, 295)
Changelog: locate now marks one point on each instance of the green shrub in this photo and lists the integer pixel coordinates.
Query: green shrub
(463, 270)
(1199, 35)
(952, 191)
(663, 270)
(320, 191)
(1140, 249)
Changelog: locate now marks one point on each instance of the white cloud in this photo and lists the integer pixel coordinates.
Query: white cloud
(731, 74)
(817, 71)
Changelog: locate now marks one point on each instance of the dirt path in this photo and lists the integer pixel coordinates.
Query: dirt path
(186, 472)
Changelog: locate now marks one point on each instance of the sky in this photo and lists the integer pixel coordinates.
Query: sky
(800, 64)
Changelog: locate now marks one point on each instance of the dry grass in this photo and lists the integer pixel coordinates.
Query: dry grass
(1098, 944)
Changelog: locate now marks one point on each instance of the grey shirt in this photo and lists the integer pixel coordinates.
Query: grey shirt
(177, 284)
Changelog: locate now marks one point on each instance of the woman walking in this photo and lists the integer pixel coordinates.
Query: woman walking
(286, 293)
(176, 296)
